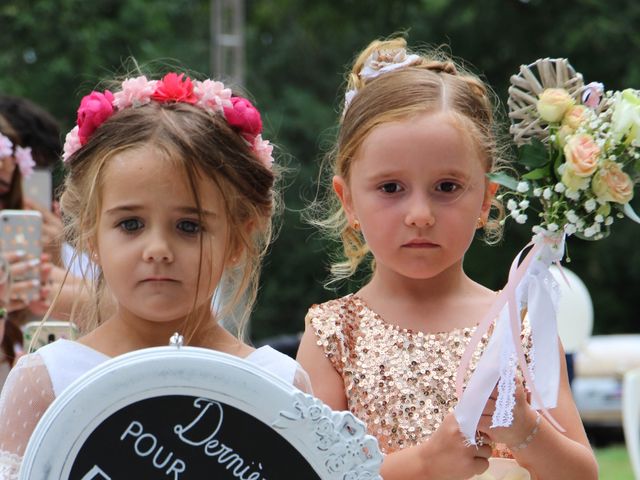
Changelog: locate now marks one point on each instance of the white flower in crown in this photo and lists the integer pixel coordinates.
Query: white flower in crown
(263, 150)
(71, 143)
(212, 95)
(25, 161)
(23, 157)
(384, 61)
(6, 147)
(135, 92)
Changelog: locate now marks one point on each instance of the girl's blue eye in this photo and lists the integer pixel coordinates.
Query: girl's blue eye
(390, 187)
(130, 225)
(188, 226)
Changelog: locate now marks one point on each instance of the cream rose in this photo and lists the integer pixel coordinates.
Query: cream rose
(611, 184)
(581, 153)
(572, 181)
(553, 103)
(563, 134)
(574, 117)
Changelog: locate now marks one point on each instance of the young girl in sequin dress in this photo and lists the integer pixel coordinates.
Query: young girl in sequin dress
(416, 141)
(169, 190)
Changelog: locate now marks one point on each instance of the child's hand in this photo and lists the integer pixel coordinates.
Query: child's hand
(51, 277)
(524, 419)
(51, 228)
(18, 290)
(447, 457)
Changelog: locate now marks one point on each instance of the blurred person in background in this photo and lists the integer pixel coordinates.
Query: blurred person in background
(29, 138)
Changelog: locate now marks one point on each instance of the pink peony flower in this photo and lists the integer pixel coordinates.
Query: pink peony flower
(135, 92)
(212, 95)
(24, 160)
(263, 150)
(172, 88)
(71, 144)
(94, 109)
(243, 116)
(6, 147)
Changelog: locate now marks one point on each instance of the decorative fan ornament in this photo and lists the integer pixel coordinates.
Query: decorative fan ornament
(528, 85)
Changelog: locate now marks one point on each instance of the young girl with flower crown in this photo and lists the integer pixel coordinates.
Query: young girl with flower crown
(415, 145)
(169, 191)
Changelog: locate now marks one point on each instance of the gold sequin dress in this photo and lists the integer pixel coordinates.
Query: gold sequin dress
(400, 382)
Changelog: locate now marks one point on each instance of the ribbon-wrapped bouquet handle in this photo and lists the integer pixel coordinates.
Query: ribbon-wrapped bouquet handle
(578, 147)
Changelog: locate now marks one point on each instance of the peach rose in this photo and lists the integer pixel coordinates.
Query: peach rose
(575, 116)
(563, 135)
(553, 103)
(611, 184)
(582, 154)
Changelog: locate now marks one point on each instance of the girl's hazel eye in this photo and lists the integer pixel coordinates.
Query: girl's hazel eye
(448, 187)
(130, 225)
(188, 226)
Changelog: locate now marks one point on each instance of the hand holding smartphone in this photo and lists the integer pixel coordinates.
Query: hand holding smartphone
(20, 231)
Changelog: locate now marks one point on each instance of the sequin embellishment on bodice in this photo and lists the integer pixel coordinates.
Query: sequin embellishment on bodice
(400, 382)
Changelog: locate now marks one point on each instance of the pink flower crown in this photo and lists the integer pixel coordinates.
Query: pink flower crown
(96, 107)
(23, 156)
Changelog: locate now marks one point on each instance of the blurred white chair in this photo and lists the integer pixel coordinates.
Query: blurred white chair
(631, 417)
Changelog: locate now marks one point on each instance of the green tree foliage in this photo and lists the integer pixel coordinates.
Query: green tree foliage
(54, 51)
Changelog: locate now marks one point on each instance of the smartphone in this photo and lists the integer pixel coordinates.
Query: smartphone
(50, 331)
(38, 187)
(21, 230)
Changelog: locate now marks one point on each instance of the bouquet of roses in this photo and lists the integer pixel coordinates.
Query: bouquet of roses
(579, 147)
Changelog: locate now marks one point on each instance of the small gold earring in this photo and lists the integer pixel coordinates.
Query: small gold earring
(481, 222)
(356, 225)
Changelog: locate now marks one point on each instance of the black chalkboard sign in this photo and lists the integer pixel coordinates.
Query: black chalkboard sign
(190, 413)
(187, 438)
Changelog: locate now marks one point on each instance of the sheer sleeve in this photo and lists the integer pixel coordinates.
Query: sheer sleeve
(301, 380)
(25, 396)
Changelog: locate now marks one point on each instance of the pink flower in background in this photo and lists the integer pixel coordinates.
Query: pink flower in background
(243, 116)
(71, 144)
(212, 95)
(135, 92)
(172, 88)
(6, 147)
(263, 150)
(24, 160)
(94, 109)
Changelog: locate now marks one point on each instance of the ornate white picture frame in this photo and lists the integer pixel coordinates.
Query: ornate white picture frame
(202, 389)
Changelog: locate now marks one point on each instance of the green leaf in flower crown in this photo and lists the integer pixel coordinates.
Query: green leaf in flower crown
(503, 179)
(533, 155)
(538, 173)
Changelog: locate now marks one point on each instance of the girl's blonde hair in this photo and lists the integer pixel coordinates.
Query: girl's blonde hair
(200, 143)
(432, 83)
